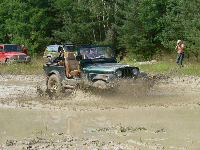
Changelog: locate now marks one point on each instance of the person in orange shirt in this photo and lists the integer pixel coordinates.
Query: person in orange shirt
(180, 53)
(24, 50)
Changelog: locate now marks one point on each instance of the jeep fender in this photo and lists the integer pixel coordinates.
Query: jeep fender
(142, 74)
(7, 57)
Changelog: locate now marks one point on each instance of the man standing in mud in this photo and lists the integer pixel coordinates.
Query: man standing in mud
(180, 52)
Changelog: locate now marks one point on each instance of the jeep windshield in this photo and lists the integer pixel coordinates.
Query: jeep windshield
(96, 52)
(11, 48)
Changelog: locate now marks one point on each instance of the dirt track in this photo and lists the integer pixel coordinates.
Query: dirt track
(148, 114)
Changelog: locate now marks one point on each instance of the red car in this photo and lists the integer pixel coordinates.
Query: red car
(12, 52)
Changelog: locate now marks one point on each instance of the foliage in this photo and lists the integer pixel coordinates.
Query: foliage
(181, 22)
(25, 22)
(138, 28)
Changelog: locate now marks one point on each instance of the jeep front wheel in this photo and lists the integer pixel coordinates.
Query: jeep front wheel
(100, 84)
(54, 85)
(9, 61)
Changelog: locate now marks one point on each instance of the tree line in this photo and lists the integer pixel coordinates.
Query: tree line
(141, 28)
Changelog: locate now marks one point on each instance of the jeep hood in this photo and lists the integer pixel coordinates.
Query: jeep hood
(105, 67)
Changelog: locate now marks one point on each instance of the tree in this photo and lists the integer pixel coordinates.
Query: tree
(84, 21)
(181, 22)
(132, 36)
(26, 22)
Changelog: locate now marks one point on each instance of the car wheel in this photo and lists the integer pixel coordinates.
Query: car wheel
(9, 61)
(48, 59)
(100, 84)
(54, 85)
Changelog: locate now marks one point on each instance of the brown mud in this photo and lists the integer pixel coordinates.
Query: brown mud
(156, 112)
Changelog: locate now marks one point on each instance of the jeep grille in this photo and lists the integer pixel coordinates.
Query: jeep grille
(125, 73)
(19, 57)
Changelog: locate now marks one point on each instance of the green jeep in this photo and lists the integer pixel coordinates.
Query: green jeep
(93, 65)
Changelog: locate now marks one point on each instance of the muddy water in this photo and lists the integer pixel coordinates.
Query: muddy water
(171, 128)
(165, 116)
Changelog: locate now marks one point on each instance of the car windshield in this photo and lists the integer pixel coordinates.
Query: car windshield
(96, 52)
(52, 48)
(11, 48)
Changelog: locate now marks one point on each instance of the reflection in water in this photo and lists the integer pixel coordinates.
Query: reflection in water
(72, 123)
(167, 127)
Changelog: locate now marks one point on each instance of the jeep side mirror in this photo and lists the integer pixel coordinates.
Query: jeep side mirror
(120, 58)
(78, 57)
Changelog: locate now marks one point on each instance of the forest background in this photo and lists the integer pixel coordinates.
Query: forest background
(141, 29)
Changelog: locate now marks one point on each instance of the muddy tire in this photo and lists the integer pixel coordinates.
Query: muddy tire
(54, 85)
(100, 84)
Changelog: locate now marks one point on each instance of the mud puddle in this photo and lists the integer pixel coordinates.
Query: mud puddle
(138, 127)
(160, 114)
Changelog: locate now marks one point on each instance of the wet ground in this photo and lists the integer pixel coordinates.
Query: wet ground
(159, 112)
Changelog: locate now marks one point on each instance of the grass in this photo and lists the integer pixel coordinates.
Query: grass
(166, 65)
(32, 68)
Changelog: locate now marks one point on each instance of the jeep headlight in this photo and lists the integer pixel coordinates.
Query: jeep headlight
(135, 72)
(119, 73)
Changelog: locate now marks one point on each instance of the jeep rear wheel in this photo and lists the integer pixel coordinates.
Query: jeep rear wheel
(54, 85)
